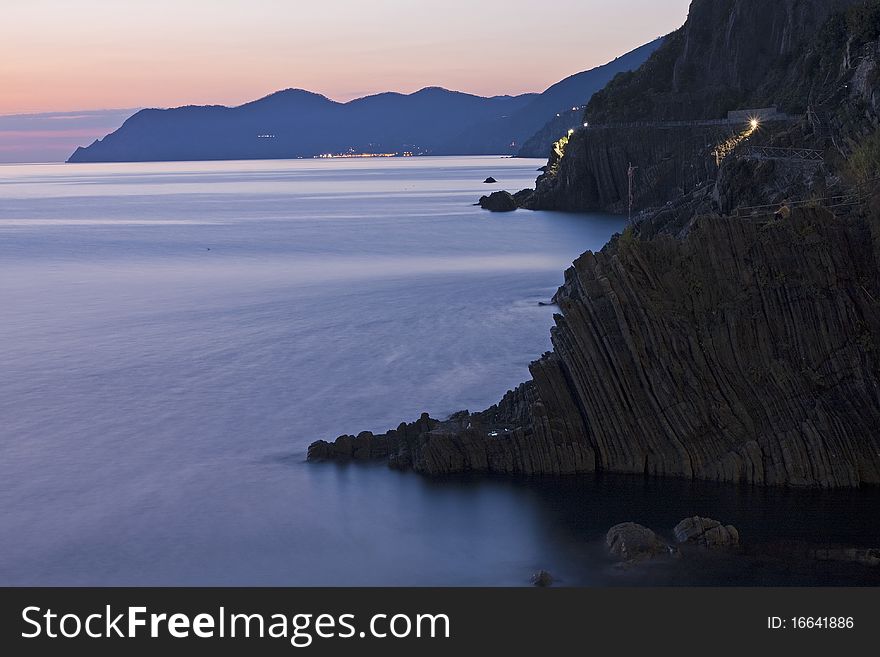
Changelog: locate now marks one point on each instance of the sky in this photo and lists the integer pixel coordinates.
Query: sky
(61, 58)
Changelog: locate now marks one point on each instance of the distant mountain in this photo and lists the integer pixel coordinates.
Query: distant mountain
(552, 112)
(297, 123)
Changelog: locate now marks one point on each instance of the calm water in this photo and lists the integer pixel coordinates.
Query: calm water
(173, 336)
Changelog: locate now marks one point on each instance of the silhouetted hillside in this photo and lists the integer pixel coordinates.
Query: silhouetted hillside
(298, 123)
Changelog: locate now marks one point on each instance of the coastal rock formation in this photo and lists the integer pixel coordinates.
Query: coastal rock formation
(499, 202)
(367, 447)
(705, 342)
(706, 532)
(593, 174)
(745, 352)
(629, 541)
(730, 55)
(542, 579)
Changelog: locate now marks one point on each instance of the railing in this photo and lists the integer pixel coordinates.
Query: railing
(688, 124)
(828, 202)
(775, 153)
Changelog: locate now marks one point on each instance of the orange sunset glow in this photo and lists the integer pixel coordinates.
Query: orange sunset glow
(59, 56)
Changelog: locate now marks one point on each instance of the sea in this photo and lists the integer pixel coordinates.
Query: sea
(173, 336)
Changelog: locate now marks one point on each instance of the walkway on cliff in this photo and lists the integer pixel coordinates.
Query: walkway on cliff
(689, 124)
(780, 154)
(837, 204)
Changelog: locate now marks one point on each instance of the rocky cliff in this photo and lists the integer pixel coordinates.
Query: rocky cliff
(802, 56)
(729, 54)
(746, 352)
(593, 174)
(710, 340)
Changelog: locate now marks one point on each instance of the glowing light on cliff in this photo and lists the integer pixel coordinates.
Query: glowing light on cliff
(725, 148)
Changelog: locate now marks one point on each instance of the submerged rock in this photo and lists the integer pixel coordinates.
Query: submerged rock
(865, 557)
(542, 579)
(498, 202)
(629, 541)
(706, 532)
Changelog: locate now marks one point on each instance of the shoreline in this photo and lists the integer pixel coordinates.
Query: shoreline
(689, 346)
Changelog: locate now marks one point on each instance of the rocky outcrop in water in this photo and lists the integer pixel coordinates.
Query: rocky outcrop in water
(368, 447)
(706, 533)
(499, 202)
(631, 542)
(746, 352)
(542, 579)
(729, 55)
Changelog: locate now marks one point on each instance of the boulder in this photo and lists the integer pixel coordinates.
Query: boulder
(490, 180)
(629, 541)
(498, 202)
(706, 532)
(542, 579)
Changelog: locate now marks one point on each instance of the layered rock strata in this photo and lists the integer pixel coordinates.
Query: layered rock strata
(746, 352)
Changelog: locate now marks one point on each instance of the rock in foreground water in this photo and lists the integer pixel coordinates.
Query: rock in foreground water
(629, 541)
(706, 532)
(542, 579)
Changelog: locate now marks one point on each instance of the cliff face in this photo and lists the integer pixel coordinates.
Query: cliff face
(745, 353)
(729, 55)
(698, 345)
(593, 174)
(722, 59)
(566, 115)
